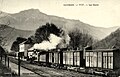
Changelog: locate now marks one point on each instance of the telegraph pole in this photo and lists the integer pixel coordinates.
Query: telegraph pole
(8, 61)
(18, 63)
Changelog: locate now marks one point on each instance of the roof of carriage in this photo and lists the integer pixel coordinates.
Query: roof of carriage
(102, 50)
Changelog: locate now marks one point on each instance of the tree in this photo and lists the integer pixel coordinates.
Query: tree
(15, 45)
(20, 39)
(79, 40)
(43, 32)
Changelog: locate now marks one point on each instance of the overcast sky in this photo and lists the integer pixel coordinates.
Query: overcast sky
(106, 14)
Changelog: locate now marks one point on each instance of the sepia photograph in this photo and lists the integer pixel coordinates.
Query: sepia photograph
(59, 38)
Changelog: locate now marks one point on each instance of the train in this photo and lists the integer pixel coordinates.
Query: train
(102, 59)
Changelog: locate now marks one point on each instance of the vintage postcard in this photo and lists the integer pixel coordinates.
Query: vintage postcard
(59, 38)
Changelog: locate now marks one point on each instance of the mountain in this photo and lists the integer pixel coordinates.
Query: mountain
(9, 35)
(31, 19)
(113, 40)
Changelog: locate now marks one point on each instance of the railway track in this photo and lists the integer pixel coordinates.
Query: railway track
(49, 72)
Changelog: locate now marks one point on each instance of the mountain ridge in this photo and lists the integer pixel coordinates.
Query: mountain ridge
(31, 19)
(9, 35)
(111, 41)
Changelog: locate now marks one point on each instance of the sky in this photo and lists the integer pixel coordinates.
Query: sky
(106, 13)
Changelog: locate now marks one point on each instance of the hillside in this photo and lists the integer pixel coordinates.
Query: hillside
(10, 34)
(113, 40)
(31, 19)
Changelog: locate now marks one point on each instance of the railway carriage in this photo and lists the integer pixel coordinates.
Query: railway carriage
(103, 58)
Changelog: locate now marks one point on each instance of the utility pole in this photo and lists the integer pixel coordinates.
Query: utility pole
(1, 57)
(5, 58)
(8, 61)
(18, 63)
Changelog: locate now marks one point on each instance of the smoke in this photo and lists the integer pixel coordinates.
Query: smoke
(65, 40)
(48, 45)
(53, 43)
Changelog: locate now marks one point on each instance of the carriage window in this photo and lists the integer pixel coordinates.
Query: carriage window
(105, 59)
(110, 60)
(64, 58)
(87, 58)
(56, 58)
(43, 58)
(95, 55)
(91, 59)
(99, 59)
(71, 58)
(76, 58)
(50, 57)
